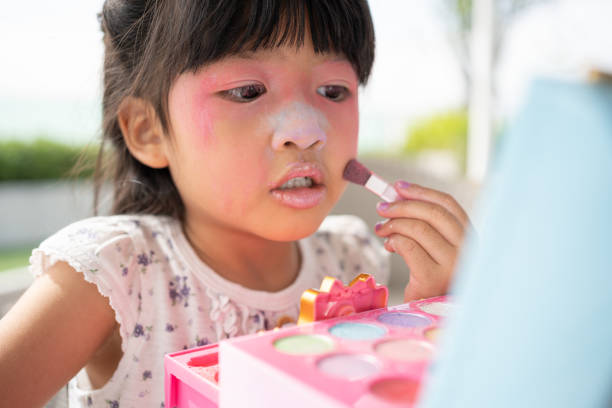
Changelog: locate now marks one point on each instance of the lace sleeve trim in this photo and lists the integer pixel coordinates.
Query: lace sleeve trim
(44, 258)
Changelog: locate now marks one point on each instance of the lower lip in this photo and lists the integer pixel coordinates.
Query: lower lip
(300, 198)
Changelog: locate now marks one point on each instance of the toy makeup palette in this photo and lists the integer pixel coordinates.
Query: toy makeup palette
(375, 358)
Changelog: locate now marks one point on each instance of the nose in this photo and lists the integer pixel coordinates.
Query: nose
(304, 137)
(299, 126)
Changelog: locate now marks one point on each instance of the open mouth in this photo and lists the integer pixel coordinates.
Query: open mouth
(297, 182)
(301, 187)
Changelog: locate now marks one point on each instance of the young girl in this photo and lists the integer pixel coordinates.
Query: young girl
(229, 125)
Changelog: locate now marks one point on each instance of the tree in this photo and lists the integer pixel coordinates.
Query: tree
(459, 15)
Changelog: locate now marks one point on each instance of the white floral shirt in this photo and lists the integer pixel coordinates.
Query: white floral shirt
(166, 299)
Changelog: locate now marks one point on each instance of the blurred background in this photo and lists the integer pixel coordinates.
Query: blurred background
(449, 75)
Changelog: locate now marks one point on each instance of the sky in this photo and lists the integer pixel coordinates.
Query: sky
(52, 53)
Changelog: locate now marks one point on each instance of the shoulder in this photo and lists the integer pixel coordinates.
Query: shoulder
(348, 239)
(112, 252)
(98, 242)
(98, 229)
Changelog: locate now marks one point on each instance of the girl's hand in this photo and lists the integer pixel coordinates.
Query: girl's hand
(427, 229)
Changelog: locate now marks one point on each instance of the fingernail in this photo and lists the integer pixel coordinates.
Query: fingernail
(378, 225)
(402, 184)
(383, 206)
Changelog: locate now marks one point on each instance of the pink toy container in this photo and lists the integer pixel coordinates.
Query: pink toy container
(190, 378)
(377, 358)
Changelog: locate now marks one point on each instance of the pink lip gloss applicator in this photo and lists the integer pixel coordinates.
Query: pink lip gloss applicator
(357, 173)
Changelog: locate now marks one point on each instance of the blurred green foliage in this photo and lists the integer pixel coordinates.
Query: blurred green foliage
(14, 258)
(444, 131)
(44, 159)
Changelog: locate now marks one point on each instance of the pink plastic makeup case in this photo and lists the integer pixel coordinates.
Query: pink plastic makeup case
(377, 358)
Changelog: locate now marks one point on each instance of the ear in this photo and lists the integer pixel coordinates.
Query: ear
(142, 132)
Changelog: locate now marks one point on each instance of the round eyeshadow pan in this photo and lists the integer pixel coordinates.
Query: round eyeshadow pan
(404, 319)
(348, 366)
(304, 344)
(357, 331)
(437, 308)
(396, 390)
(432, 334)
(406, 350)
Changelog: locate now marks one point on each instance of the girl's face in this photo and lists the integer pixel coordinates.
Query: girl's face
(259, 141)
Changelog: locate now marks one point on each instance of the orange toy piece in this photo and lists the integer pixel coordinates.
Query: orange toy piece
(334, 299)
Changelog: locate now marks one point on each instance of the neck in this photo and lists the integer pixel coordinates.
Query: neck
(251, 261)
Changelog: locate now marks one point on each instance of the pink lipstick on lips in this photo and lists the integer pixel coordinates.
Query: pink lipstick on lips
(300, 187)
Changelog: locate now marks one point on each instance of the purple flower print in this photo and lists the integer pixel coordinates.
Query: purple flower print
(179, 291)
(89, 401)
(142, 331)
(139, 301)
(169, 327)
(138, 330)
(201, 342)
(143, 259)
(147, 375)
(266, 323)
(112, 404)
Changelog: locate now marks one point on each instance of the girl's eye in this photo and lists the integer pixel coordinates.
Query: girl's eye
(335, 93)
(245, 93)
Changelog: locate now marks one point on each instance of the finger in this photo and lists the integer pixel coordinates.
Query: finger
(434, 243)
(426, 277)
(415, 256)
(447, 201)
(435, 215)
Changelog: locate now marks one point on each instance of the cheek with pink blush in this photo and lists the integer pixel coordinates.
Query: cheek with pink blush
(237, 182)
(205, 134)
(190, 112)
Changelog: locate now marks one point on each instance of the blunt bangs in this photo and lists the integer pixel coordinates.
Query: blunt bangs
(217, 29)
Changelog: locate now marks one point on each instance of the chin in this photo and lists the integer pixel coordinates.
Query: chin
(296, 228)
